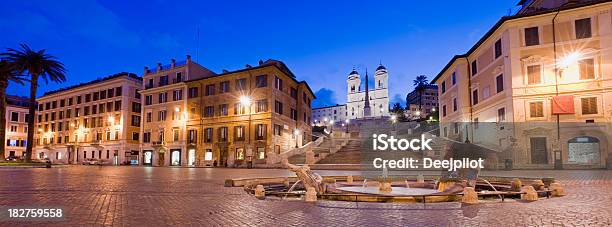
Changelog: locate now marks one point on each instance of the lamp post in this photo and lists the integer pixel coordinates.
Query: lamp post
(296, 133)
(347, 121)
(566, 61)
(246, 101)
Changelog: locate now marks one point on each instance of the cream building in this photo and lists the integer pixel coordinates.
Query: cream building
(368, 103)
(242, 118)
(99, 119)
(501, 93)
(16, 126)
(324, 115)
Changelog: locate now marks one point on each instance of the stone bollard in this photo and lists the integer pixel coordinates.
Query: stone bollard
(349, 179)
(469, 196)
(260, 192)
(311, 194)
(537, 185)
(556, 190)
(384, 186)
(516, 185)
(420, 178)
(530, 194)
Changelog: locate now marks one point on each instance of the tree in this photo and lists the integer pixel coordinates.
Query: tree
(7, 73)
(419, 84)
(398, 110)
(36, 64)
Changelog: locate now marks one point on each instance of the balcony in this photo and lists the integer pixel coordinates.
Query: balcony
(158, 144)
(96, 143)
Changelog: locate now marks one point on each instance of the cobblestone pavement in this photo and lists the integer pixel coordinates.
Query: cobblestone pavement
(155, 196)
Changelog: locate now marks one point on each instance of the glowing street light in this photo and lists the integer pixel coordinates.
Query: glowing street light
(111, 119)
(245, 100)
(296, 132)
(570, 59)
(176, 109)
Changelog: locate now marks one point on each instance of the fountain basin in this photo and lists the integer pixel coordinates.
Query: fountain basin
(397, 191)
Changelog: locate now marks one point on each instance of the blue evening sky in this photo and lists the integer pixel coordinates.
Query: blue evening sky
(320, 41)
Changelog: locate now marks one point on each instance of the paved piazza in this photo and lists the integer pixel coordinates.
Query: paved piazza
(156, 196)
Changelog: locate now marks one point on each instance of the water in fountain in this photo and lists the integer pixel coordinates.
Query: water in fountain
(489, 183)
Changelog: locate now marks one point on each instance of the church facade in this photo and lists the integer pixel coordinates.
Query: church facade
(368, 103)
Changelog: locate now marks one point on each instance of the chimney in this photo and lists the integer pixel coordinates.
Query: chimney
(247, 66)
(159, 67)
(173, 63)
(188, 59)
(261, 62)
(146, 70)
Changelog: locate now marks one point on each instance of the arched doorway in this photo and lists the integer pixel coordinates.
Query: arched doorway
(583, 150)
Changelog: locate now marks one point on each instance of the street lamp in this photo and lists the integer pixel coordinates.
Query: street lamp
(347, 124)
(111, 120)
(569, 59)
(296, 133)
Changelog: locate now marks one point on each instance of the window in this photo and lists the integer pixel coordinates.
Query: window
(239, 153)
(454, 78)
(102, 95)
(223, 134)
(239, 109)
(261, 152)
(534, 74)
(192, 136)
(94, 109)
(62, 103)
(210, 90)
(179, 77)
(118, 91)
(262, 105)
(587, 69)
(241, 84)
(443, 87)
(85, 112)
(208, 155)
(224, 87)
(499, 81)
(149, 84)
(163, 80)
(261, 81)
(135, 136)
(135, 121)
(239, 133)
(536, 109)
(135, 107)
(278, 83)
(294, 93)
(278, 107)
(14, 116)
(444, 111)
(161, 115)
(87, 97)
(163, 97)
(498, 48)
(149, 116)
(278, 130)
(474, 68)
(223, 110)
(532, 36)
(96, 96)
(454, 104)
(118, 105)
(146, 137)
(209, 111)
(208, 134)
(475, 97)
(501, 115)
(148, 100)
(178, 95)
(193, 92)
(589, 105)
(78, 99)
(294, 114)
(260, 131)
(583, 28)
(175, 134)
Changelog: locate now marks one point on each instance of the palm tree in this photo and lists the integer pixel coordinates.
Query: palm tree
(7, 73)
(36, 64)
(419, 84)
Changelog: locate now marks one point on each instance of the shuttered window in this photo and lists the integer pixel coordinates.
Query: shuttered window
(534, 74)
(587, 69)
(589, 105)
(536, 109)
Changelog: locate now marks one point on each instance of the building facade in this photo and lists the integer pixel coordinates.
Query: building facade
(16, 126)
(335, 113)
(164, 112)
(98, 119)
(241, 118)
(368, 103)
(422, 101)
(549, 63)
